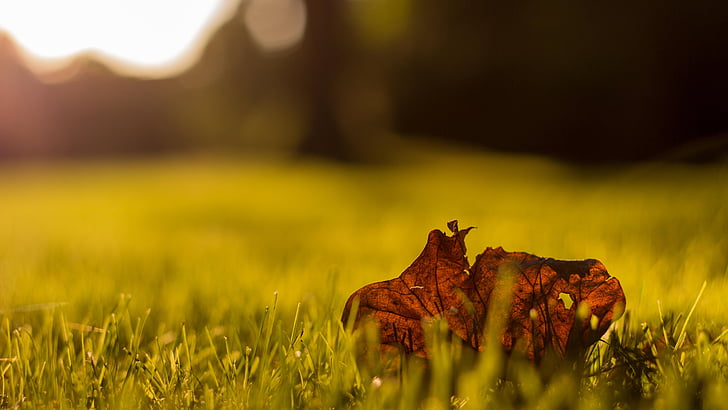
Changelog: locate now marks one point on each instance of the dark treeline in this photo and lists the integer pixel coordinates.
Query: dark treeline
(584, 81)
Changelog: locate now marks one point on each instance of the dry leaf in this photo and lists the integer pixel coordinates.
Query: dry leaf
(535, 304)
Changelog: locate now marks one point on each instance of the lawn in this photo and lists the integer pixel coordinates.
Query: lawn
(214, 281)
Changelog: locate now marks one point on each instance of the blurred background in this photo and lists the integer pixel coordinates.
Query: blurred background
(351, 79)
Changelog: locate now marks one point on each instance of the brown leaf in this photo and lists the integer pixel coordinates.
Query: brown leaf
(534, 304)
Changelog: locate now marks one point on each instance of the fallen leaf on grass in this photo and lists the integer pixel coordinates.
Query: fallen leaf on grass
(535, 305)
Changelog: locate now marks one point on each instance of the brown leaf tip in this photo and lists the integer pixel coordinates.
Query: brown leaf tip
(459, 234)
(453, 226)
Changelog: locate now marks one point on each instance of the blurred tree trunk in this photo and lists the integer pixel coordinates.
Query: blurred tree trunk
(324, 58)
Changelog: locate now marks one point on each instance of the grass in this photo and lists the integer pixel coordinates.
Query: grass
(218, 282)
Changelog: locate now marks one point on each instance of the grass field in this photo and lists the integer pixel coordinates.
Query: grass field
(219, 282)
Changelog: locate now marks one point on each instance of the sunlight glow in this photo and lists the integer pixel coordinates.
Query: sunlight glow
(150, 38)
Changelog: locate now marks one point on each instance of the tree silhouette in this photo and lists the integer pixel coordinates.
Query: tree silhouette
(324, 50)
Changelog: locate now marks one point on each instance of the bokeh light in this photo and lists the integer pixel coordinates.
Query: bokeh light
(156, 38)
(276, 24)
